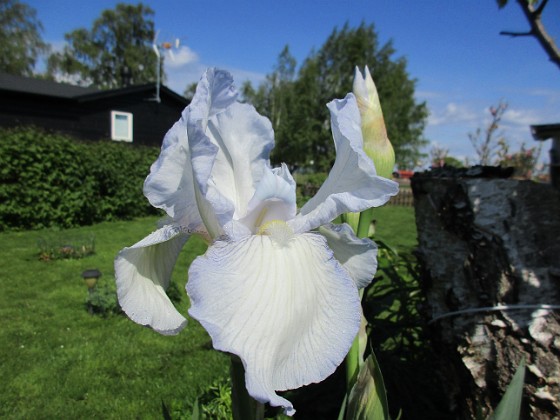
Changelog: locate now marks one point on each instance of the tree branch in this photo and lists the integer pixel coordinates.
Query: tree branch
(516, 34)
(538, 11)
(538, 30)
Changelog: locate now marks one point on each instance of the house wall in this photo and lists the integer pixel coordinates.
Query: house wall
(53, 114)
(151, 120)
(90, 119)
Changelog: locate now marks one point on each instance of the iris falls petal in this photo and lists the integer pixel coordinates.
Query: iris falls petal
(279, 301)
(358, 256)
(143, 272)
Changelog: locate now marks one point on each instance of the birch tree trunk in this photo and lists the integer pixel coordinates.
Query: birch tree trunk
(487, 243)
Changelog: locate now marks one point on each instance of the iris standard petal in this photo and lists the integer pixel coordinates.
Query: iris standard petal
(244, 139)
(358, 256)
(352, 184)
(274, 199)
(230, 144)
(143, 272)
(214, 93)
(170, 184)
(282, 303)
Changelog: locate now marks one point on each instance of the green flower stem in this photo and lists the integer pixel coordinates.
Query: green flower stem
(244, 407)
(364, 224)
(354, 357)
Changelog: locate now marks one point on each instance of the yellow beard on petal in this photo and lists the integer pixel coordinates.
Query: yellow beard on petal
(278, 230)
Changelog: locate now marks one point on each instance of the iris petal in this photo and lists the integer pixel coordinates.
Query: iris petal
(352, 184)
(358, 256)
(274, 199)
(283, 304)
(143, 272)
(230, 144)
(170, 185)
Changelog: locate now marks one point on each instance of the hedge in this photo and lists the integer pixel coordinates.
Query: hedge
(51, 180)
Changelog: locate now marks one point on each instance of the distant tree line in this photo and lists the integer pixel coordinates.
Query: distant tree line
(117, 51)
(295, 101)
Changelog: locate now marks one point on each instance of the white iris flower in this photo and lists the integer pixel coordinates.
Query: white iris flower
(277, 288)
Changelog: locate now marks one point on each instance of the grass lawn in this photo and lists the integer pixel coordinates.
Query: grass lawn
(58, 361)
(396, 226)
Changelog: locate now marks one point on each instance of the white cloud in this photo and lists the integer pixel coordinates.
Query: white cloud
(427, 94)
(186, 68)
(453, 113)
(180, 57)
(523, 117)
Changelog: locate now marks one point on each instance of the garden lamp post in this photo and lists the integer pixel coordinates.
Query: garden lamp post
(90, 277)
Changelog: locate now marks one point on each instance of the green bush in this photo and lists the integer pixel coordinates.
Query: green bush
(307, 185)
(50, 180)
(102, 299)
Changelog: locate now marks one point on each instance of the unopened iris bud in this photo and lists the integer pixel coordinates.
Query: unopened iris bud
(376, 143)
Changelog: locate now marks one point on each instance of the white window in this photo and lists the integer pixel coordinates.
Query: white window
(121, 126)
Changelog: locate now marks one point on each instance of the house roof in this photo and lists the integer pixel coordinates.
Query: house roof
(149, 88)
(51, 88)
(545, 131)
(42, 86)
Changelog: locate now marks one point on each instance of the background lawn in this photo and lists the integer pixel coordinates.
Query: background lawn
(58, 361)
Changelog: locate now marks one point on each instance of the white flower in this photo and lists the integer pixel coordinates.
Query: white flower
(269, 290)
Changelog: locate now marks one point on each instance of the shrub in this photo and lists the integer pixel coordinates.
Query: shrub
(51, 180)
(307, 185)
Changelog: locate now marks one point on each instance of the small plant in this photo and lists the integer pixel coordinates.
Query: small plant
(102, 299)
(65, 248)
(213, 403)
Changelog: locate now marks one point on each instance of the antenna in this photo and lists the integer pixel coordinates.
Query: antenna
(158, 65)
(157, 47)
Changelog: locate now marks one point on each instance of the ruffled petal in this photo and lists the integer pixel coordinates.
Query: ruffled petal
(358, 256)
(170, 186)
(214, 93)
(274, 199)
(230, 145)
(282, 303)
(352, 184)
(143, 272)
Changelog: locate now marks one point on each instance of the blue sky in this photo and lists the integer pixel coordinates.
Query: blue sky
(453, 48)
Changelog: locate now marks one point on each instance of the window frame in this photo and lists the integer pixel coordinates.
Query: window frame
(129, 119)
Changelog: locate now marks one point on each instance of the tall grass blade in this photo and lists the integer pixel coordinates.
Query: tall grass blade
(509, 407)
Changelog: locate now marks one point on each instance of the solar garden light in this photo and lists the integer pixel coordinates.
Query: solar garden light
(91, 277)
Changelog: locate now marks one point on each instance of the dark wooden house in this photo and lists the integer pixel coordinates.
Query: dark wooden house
(131, 114)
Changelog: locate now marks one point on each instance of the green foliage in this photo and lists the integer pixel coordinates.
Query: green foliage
(115, 52)
(58, 361)
(524, 161)
(396, 328)
(20, 38)
(213, 403)
(307, 185)
(216, 400)
(102, 299)
(368, 398)
(49, 180)
(509, 407)
(296, 105)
